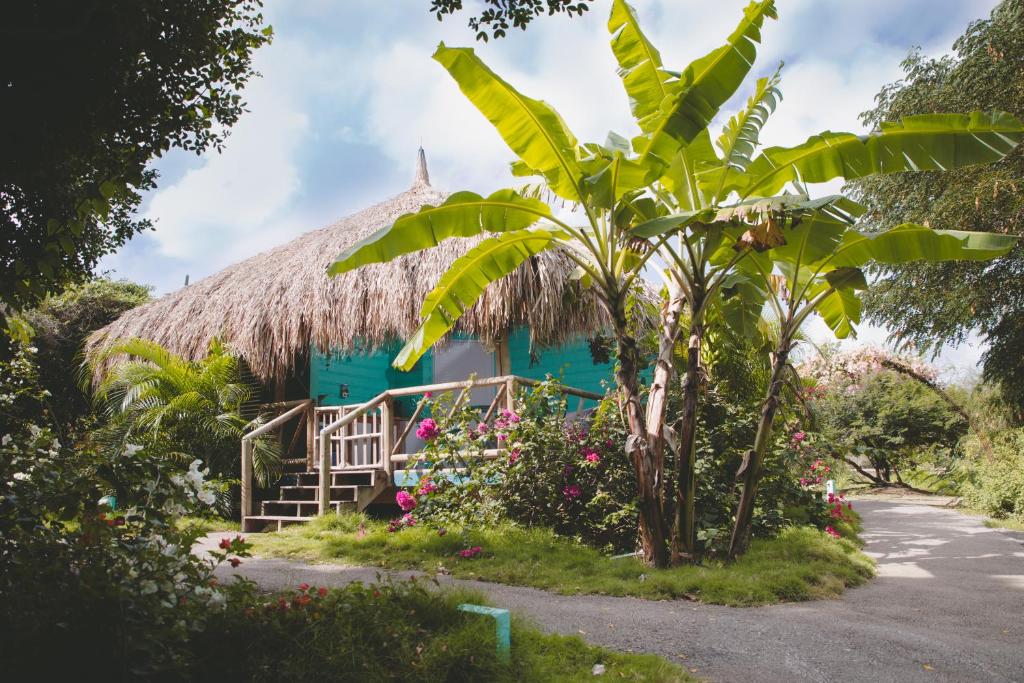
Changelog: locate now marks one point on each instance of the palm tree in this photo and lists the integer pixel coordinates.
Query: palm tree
(186, 409)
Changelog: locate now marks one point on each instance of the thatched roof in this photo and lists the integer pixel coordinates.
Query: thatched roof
(272, 307)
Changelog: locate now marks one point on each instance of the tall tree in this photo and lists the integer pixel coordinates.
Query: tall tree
(94, 90)
(667, 192)
(934, 304)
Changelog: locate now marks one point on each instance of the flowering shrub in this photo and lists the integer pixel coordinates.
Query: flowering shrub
(112, 585)
(570, 476)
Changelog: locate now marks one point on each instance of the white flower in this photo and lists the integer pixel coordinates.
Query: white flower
(131, 449)
(207, 497)
(22, 476)
(6, 440)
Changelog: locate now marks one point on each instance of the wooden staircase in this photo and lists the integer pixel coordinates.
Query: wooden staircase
(299, 497)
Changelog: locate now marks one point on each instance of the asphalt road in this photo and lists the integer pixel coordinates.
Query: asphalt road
(948, 605)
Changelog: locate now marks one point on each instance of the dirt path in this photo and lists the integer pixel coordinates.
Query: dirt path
(948, 605)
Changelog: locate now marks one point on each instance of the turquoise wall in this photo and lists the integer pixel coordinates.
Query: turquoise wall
(572, 362)
(367, 374)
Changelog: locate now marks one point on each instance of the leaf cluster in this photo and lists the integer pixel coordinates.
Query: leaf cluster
(96, 92)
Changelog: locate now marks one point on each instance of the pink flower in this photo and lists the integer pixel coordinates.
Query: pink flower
(405, 501)
(303, 587)
(502, 436)
(510, 416)
(427, 487)
(799, 436)
(572, 492)
(469, 553)
(427, 430)
(832, 532)
(442, 531)
(427, 394)
(225, 544)
(322, 592)
(831, 497)
(592, 456)
(234, 561)
(513, 456)
(482, 428)
(408, 520)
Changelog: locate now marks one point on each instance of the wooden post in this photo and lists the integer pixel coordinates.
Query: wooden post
(311, 428)
(510, 394)
(504, 357)
(325, 472)
(246, 481)
(386, 427)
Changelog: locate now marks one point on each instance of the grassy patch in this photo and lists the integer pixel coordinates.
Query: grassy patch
(205, 525)
(1012, 524)
(801, 563)
(394, 630)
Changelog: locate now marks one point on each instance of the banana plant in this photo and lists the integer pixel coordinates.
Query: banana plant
(666, 199)
(738, 187)
(818, 271)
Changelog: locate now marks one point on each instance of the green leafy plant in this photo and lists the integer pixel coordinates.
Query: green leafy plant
(183, 409)
(668, 193)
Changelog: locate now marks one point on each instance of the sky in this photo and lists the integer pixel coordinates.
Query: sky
(348, 92)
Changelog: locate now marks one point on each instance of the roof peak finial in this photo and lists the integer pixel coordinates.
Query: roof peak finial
(422, 178)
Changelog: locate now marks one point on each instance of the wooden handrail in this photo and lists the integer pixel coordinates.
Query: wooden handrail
(300, 406)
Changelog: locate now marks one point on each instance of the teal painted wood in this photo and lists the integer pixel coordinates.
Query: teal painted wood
(366, 374)
(572, 361)
(502, 625)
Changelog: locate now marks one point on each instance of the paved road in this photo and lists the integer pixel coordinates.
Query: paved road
(948, 605)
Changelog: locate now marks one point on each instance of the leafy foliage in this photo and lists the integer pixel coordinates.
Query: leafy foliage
(888, 417)
(931, 305)
(60, 324)
(992, 480)
(115, 589)
(499, 15)
(182, 409)
(143, 77)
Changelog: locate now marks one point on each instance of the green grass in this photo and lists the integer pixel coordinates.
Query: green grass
(205, 525)
(801, 563)
(1012, 524)
(542, 657)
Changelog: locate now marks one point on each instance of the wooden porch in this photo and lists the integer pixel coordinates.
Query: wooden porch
(354, 452)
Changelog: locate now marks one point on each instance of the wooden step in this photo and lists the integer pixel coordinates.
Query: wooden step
(313, 492)
(340, 478)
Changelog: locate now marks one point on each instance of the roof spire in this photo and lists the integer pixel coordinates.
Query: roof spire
(422, 178)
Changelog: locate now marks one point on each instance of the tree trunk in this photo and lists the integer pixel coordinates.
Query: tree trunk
(750, 470)
(684, 537)
(652, 523)
(657, 397)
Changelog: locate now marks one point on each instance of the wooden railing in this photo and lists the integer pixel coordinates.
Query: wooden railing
(363, 435)
(294, 409)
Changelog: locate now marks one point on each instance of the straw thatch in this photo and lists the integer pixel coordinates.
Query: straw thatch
(271, 308)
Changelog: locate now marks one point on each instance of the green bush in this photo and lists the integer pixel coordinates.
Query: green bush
(993, 482)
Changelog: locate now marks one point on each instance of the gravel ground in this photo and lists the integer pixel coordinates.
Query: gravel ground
(948, 605)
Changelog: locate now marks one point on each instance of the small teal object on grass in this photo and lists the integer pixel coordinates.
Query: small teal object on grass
(109, 501)
(502, 625)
